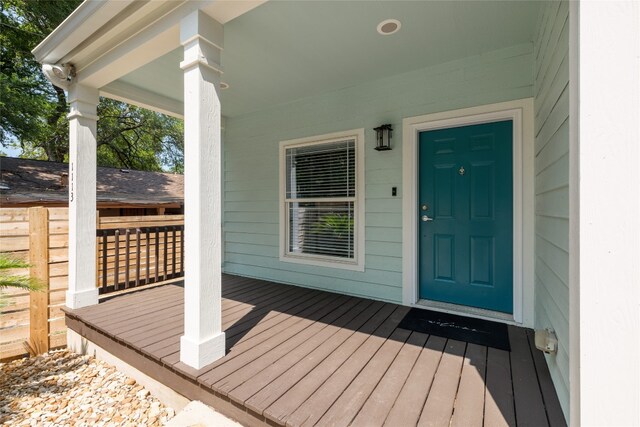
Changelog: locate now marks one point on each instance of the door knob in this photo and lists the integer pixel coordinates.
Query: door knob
(426, 218)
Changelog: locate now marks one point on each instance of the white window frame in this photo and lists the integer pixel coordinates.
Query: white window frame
(357, 263)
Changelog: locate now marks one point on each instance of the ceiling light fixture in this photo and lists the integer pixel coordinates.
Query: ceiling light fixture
(389, 26)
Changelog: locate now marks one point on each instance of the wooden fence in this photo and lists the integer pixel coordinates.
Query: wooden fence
(39, 236)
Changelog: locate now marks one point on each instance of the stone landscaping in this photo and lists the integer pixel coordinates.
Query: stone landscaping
(64, 388)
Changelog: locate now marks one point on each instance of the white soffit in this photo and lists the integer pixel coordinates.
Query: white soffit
(82, 22)
(101, 28)
(226, 10)
(283, 50)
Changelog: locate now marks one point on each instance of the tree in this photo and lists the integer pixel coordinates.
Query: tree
(33, 111)
(135, 138)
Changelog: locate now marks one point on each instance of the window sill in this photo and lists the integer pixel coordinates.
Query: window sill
(319, 262)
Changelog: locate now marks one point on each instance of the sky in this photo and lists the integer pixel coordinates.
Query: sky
(11, 152)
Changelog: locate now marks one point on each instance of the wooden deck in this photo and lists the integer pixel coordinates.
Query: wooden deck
(300, 357)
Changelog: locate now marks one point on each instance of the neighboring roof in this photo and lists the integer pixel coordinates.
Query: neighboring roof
(26, 182)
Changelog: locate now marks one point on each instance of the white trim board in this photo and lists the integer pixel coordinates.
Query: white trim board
(521, 113)
(125, 92)
(604, 207)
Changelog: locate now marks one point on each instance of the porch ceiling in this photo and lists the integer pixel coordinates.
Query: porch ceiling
(281, 51)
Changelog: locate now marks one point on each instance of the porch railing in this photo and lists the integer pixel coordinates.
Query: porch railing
(143, 251)
(39, 236)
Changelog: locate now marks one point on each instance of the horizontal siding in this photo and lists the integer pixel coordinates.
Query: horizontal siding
(251, 164)
(552, 186)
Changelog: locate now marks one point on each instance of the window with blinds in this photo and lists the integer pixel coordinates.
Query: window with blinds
(321, 201)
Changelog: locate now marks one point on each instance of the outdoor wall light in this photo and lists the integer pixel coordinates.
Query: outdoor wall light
(60, 75)
(383, 137)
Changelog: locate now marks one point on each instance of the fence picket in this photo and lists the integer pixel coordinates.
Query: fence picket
(152, 243)
(39, 270)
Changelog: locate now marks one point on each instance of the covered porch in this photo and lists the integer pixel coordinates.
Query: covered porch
(301, 357)
(268, 88)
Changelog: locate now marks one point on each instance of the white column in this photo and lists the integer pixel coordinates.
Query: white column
(83, 117)
(203, 341)
(605, 213)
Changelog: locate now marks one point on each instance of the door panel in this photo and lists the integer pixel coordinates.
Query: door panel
(445, 192)
(444, 256)
(482, 260)
(466, 194)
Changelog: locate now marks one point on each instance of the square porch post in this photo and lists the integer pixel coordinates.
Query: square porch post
(203, 341)
(83, 118)
(604, 212)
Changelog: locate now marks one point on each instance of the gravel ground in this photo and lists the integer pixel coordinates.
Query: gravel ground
(67, 389)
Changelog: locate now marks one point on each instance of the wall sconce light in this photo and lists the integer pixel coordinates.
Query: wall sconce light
(383, 137)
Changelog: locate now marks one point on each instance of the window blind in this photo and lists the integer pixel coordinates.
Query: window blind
(321, 199)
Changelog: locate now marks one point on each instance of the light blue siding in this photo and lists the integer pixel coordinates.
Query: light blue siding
(551, 49)
(251, 164)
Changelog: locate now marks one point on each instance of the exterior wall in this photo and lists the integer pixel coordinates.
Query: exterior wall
(551, 101)
(251, 164)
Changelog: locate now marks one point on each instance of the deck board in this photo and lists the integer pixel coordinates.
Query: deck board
(270, 316)
(381, 400)
(293, 368)
(311, 411)
(302, 357)
(438, 408)
(260, 344)
(279, 386)
(288, 402)
(114, 313)
(279, 364)
(410, 402)
(469, 405)
(351, 400)
(498, 404)
(549, 395)
(314, 330)
(526, 389)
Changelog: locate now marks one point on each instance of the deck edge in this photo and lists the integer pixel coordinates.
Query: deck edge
(164, 374)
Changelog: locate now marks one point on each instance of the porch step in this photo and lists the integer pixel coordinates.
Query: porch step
(197, 414)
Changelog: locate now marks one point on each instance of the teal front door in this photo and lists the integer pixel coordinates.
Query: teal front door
(466, 216)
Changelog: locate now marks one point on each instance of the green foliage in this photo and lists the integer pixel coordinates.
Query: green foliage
(135, 138)
(7, 263)
(25, 283)
(339, 225)
(33, 111)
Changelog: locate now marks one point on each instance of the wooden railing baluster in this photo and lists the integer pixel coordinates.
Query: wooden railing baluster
(105, 238)
(116, 280)
(157, 261)
(182, 250)
(173, 268)
(146, 279)
(165, 268)
(126, 258)
(166, 248)
(138, 255)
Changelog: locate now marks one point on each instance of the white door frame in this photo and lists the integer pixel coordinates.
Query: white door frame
(521, 113)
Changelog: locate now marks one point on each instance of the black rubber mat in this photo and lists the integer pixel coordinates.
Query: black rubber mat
(468, 329)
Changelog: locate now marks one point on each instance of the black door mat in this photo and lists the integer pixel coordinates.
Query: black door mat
(468, 329)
